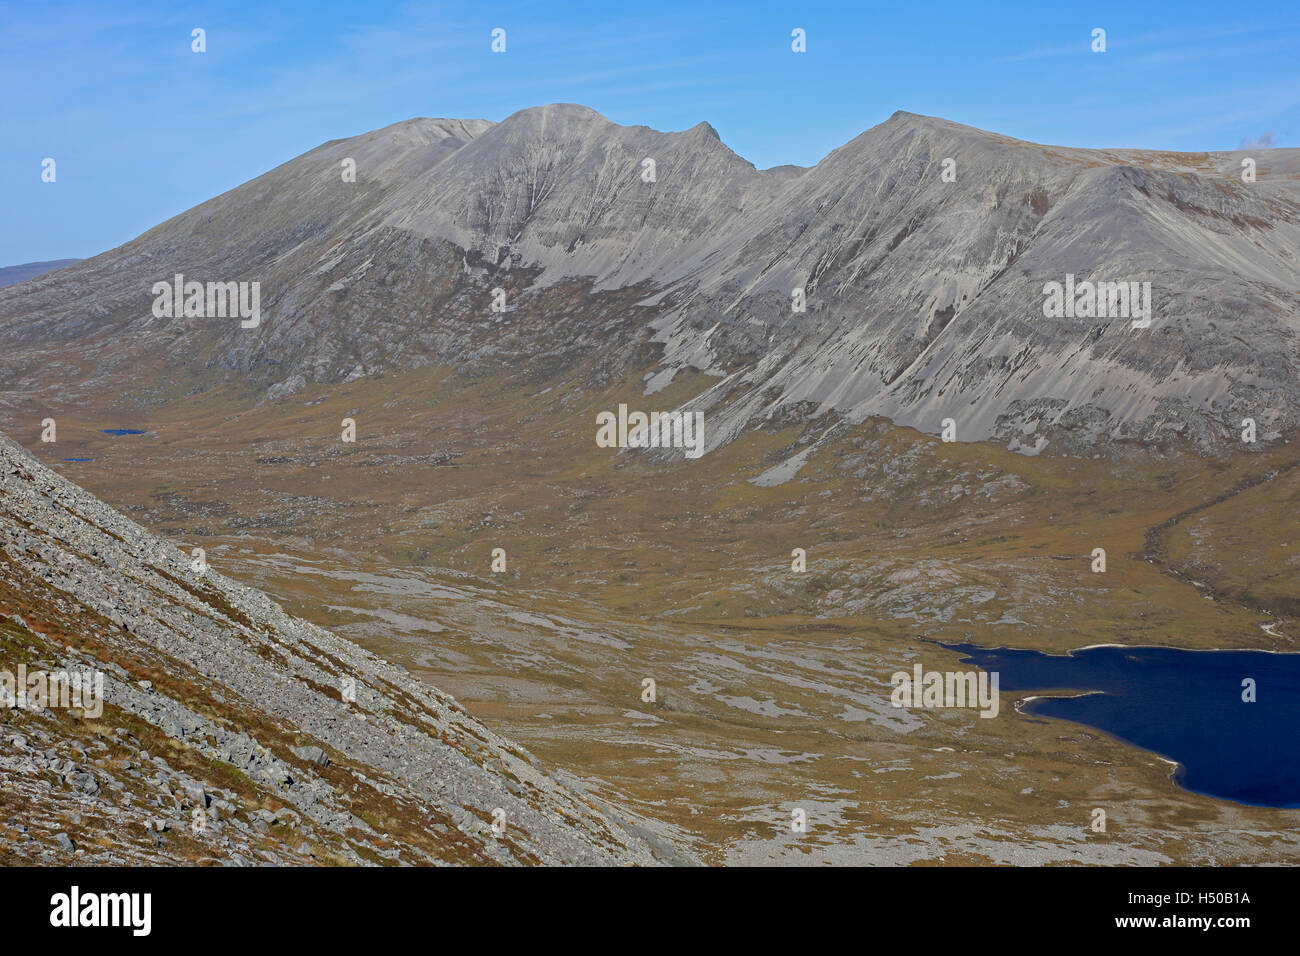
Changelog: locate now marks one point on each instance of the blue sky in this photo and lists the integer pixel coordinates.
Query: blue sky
(141, 128)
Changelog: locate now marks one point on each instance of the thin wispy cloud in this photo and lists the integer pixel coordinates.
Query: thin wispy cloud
(1265, 140)
(1162, 46)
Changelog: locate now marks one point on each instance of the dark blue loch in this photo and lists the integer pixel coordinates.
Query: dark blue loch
(1186, 706)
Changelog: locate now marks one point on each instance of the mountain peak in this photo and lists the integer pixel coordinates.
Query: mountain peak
(705, 129)
(902, 119)
(558, 112)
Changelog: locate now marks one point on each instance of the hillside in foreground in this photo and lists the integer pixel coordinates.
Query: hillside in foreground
(231, 732)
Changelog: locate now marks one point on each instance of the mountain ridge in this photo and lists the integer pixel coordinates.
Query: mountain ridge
(924, 296)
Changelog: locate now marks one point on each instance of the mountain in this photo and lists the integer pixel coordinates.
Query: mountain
(12, 275)
(232, 732)
(925, 297)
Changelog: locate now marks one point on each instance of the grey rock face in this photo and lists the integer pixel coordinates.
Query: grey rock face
(924, 296)
(313, 754)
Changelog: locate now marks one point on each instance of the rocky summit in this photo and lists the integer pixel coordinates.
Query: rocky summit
(225, 731)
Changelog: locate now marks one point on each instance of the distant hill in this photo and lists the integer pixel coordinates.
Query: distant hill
(12, 275)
